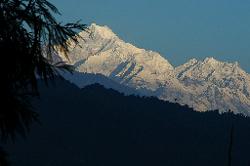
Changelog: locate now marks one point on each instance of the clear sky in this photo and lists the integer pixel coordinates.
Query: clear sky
(178, 29)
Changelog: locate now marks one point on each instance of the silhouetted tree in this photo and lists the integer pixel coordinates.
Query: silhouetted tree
(28, 36)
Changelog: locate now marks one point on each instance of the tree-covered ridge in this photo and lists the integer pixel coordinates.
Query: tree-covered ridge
(98, 126)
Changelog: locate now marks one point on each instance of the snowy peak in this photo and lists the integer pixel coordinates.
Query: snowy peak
(192, 61)
(102, 52)
(218, 64)
(101, 31)
(208, 66)
(224, 86)
(210, 60)
(203, 85)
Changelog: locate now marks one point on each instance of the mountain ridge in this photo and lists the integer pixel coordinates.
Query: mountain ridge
(203, 85)
(98, 126)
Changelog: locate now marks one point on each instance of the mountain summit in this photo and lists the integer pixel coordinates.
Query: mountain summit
(203, 85)
(102, 31)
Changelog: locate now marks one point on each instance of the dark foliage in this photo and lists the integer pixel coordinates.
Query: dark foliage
(3, 158)
(28, 36)
(96, 126)
(27, 27)
(230, 147)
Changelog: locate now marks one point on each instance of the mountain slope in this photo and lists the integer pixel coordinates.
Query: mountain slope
(84, 79)
(96, 126)
(216, 85)
(203, 85)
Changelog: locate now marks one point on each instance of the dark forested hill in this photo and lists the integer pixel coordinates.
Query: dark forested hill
(95, 126)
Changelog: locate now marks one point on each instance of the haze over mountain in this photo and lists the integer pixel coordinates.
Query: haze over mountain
(203, 85)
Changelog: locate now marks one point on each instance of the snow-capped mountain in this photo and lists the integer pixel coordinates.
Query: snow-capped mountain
(203, 85)
(216, 85)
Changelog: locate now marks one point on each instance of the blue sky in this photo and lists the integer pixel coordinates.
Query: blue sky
(178, 29)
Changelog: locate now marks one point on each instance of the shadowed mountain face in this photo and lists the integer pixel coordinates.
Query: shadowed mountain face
(84, 79)
(95, 126)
